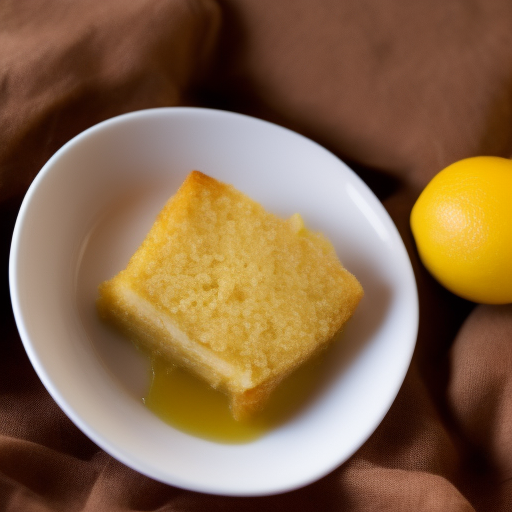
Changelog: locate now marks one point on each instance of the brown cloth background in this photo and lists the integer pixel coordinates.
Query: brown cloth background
(398, 89)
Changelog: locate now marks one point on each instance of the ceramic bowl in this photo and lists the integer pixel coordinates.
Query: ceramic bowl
(88, 210)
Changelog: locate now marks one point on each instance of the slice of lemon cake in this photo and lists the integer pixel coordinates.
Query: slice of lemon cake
(233, 293)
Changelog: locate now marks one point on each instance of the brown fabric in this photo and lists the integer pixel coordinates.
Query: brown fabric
(398, 89)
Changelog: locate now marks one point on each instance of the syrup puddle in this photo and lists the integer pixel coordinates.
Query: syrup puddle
(192, 406)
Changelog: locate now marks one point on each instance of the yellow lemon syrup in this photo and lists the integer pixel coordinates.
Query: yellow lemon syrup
(192, 406)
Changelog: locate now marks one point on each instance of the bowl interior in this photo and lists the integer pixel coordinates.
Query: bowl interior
(87, 212)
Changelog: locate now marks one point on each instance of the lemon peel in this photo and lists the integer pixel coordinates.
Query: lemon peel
(462, 226)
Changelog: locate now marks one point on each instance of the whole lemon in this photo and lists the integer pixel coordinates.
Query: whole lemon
(462, 225)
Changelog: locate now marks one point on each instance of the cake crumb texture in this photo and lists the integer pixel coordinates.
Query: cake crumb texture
(260, 293)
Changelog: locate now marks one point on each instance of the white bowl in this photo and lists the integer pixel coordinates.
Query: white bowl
(86, 213)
